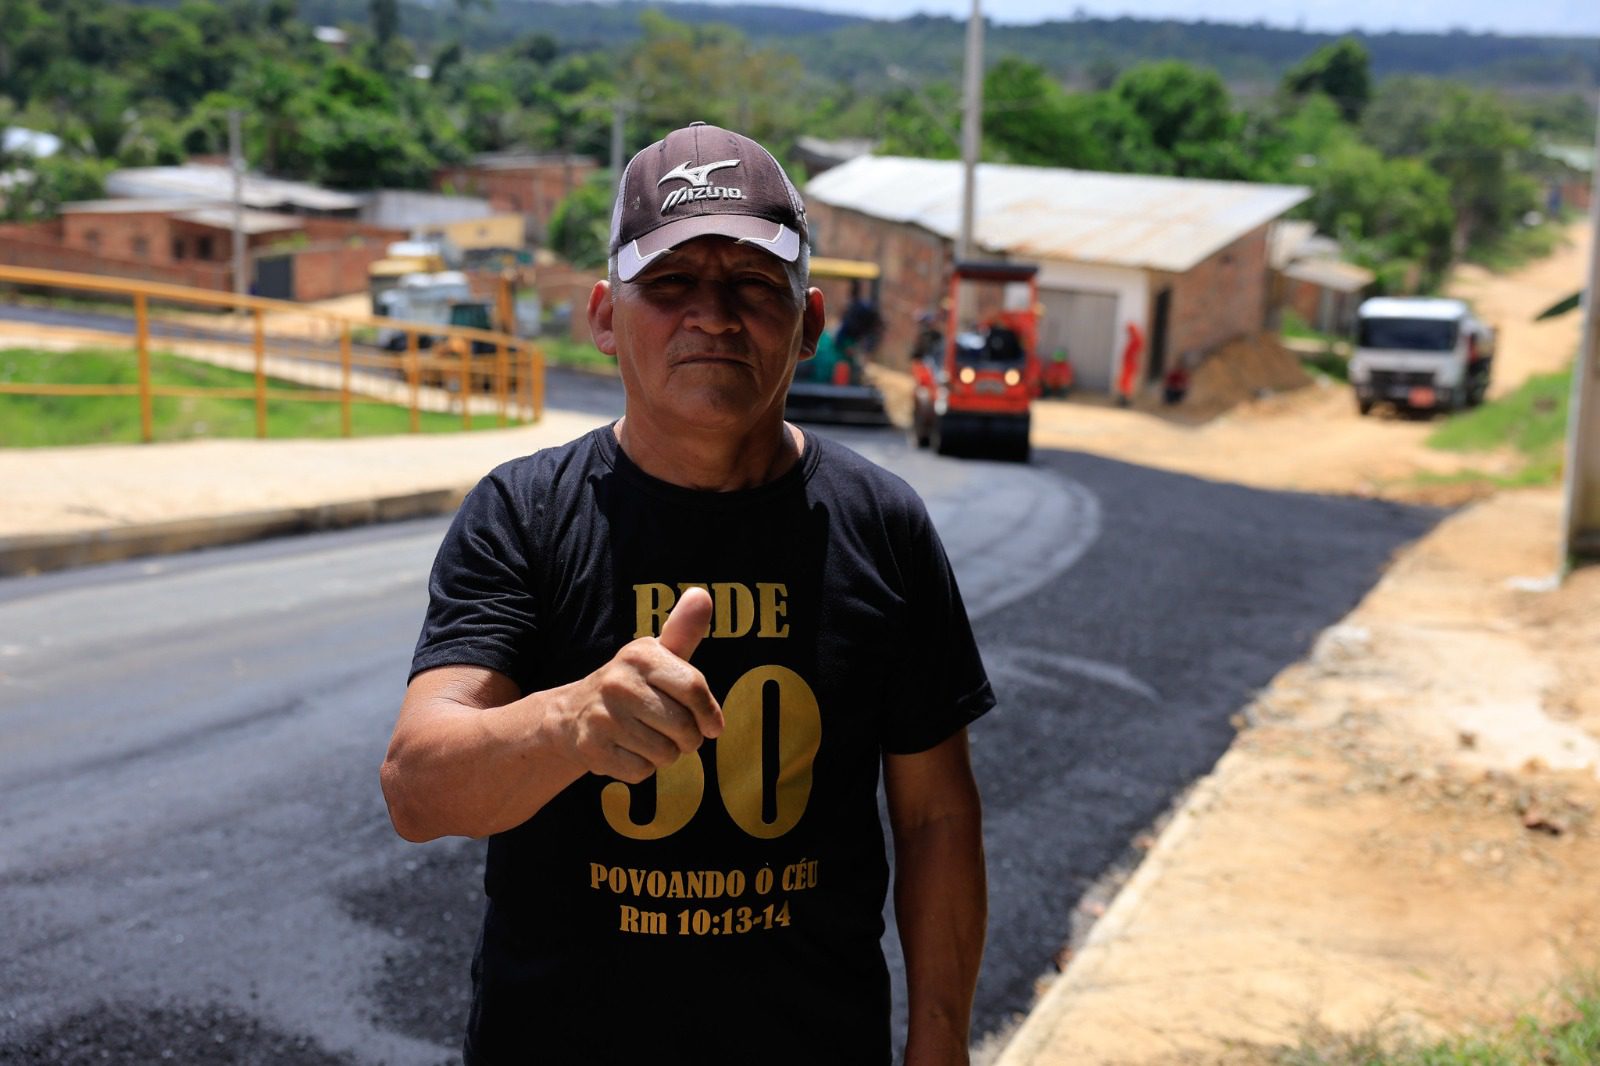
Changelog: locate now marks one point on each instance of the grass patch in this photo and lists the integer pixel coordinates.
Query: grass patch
(1532, 421)
(38, 421)
(1332, 361)
(562, 351)
(1292, 325)
(1570, 1036)
(1329, 364)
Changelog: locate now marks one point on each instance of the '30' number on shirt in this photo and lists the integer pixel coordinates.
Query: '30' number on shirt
(741, 769)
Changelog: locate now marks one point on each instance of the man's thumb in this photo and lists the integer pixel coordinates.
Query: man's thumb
(688, 623)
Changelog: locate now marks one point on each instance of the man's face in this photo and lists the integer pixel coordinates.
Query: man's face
(707, 335)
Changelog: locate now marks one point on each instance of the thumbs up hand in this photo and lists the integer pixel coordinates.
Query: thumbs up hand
(647, 706)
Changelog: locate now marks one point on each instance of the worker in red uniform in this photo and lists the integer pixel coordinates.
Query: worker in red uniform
(1130, 364)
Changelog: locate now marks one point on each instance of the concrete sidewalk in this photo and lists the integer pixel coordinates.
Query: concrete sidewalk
(71, 506)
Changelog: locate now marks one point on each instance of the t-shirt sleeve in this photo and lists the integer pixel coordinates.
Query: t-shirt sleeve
(945, 684)
(481, 602)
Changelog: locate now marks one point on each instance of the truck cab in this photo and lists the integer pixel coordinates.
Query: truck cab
(421, 298)
(1420, 354)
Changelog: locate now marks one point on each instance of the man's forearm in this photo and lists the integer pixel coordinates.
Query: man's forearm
(941, 909)
(471, 771)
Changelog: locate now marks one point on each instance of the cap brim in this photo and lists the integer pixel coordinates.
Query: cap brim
(769, 236)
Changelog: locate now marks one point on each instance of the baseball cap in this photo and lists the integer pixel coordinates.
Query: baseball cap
(701, 181)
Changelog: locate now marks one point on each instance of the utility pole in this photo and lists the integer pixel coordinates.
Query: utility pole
(971, 129)
(1581, 528)
(619, 112)
(241, 284)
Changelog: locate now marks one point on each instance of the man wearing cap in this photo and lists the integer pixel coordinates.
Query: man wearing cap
(662, 667)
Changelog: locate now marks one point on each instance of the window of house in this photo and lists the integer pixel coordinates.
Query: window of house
(203, 248)
(141, 247)
(178, 248)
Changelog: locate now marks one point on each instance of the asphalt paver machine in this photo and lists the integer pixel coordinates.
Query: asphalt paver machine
(832, 385)
(974, 393)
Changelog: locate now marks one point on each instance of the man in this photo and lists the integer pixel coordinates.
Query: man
(662, 665)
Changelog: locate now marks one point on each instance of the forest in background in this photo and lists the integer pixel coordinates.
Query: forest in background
(1408, 169)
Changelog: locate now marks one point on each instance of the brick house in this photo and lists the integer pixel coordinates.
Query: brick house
(183, 243)
(521, 183)
(1183, 261)
(175, 225)
(1311, 279)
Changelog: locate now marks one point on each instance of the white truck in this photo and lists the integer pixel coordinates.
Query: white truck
(424, 298)
(1420, 354)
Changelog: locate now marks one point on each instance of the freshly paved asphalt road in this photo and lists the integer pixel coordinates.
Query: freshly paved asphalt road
(194, 857)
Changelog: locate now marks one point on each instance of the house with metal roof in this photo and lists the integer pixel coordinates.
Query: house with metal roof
(1313, 279)
(213, 183)
(1130, 265)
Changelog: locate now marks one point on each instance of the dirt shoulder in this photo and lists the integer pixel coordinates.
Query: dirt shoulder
(1405, 832)
(1311, 439)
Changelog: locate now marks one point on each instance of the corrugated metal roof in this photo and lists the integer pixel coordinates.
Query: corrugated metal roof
(130, 206)
(250, 221)
(203, 181)
(1332, 274)
(1287, 239)
(1130, 220)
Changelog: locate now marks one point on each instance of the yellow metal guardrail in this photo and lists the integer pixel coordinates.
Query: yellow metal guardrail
(512, 373)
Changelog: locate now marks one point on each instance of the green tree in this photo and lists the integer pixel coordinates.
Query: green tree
(49, 183)
(1189, 116)
(923, 123)
(680, 73)
(1393, 215)
(580, 226)
(1028, 118)
(1342, 71)
(1467, 136)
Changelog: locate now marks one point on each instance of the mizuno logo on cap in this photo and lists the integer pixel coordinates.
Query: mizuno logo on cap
(696, 176)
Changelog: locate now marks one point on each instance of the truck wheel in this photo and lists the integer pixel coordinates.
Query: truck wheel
(920, 431)
(941, 441)
(1364, 407)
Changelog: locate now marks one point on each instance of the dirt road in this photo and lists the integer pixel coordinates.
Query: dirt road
(1405, 833)
(1312, 439)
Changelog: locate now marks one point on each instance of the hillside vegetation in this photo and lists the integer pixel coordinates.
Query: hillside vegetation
(1409, 170)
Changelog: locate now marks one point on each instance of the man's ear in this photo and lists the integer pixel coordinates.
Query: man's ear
(600, 311)
(813, 322)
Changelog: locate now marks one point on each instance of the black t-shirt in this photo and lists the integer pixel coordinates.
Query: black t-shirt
(729, 908)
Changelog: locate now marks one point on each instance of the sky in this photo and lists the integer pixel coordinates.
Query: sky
(1551, 17)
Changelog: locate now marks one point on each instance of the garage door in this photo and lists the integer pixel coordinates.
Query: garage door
(1085, 325)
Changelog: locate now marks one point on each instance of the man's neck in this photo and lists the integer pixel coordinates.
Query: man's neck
(711, 462)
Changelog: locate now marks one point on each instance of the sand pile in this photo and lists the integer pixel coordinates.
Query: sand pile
(1241, 371)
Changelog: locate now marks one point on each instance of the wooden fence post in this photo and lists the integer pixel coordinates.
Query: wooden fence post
(413, 374)
(344, 377)
(501, 369)
(141, 316)
(538, 384)
(466, 383)
(261, 374)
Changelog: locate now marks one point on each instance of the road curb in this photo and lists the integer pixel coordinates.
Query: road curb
(37, 553)
(1037, 1041)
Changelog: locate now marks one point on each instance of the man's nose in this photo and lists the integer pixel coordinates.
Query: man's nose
(711, 309)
